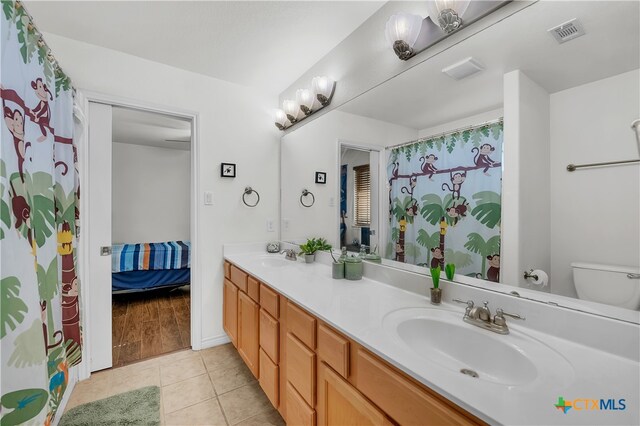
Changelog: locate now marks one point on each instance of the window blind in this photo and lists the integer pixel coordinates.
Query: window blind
(362, 196)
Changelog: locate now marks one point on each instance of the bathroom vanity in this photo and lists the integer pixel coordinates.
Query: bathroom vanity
(366, 352)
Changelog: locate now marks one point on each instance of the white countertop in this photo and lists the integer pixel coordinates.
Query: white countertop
(358, 309)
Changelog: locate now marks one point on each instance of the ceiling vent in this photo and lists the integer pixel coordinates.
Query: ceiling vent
(464, 68)
(567, 31)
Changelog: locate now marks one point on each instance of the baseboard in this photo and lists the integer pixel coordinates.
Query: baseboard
(210, 342)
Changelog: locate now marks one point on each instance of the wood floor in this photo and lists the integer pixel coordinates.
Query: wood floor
(149, 324)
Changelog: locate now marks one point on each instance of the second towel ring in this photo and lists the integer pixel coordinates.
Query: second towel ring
(305, 193)
(248, 191)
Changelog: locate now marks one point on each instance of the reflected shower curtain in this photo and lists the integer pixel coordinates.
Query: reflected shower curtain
(445, 201)
(39, 313)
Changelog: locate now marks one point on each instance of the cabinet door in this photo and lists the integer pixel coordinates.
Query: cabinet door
(339, 403)
(269, 378)
(248, 334)
(230, 307)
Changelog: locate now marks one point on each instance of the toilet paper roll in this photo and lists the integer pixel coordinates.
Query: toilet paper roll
(543, 278)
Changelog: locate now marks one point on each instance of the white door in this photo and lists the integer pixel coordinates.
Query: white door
(98, 193)
(374, 166)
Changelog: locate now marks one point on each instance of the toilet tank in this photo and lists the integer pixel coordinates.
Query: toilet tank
(609, 284)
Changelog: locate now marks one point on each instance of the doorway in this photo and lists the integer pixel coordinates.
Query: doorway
(358, 201)
(141, 245)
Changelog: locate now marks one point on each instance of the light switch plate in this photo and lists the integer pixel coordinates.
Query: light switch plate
(208, 198)
(270, 225)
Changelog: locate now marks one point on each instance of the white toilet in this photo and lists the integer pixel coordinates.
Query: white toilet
(608, 284)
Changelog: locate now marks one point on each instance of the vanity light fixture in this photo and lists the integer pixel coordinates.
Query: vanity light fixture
(402, 32)
(447, 14)
(308, 101)
(410, 34)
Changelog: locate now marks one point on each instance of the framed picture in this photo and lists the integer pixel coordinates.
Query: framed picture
(228, 170)
(321, 177)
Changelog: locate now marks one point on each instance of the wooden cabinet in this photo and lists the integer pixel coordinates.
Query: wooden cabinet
(230, 311)
(298, 412)
(311, 372)
(301, 368)
(401, 398)
(269, 336)
(248, 326)
(333, 349)
(339, 403)
(269, 378)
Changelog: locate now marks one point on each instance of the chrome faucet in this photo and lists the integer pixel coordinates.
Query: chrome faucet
(290, 254)
(480, 316)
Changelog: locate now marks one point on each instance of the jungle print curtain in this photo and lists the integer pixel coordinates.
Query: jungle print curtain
(445, 201)
(40, 317)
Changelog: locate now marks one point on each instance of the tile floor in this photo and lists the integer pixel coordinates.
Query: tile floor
(149, 324)
(208, 387)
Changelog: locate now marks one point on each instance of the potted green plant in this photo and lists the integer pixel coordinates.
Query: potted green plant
(436, 292)
(310, 248)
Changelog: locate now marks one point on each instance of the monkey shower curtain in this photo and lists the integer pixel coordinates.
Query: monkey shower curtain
(445, 201)
(39, 313)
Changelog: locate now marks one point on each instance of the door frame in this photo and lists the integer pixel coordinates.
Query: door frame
(83, 158)
(361, 147)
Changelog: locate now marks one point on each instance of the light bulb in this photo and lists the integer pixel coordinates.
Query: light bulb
(323, 87)
(402, 32)
(280, 119)
(292, 109)
(304, 98)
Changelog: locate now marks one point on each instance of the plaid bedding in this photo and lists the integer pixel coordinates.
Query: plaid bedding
(151, 256)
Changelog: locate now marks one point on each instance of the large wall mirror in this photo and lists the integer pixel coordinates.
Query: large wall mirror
(472, 170)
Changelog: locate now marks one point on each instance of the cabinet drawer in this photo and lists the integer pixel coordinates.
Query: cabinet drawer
(239, 278)
(253, 288)
(269, 379)
(269, 335)
(301, 369)
(298, 412)
(333, 349)
(404, 401)
(227, 270)
(302, 325)
(269, 301)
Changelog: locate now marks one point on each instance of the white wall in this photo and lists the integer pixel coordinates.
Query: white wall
(352, 158)
(463, 122)
(235, 126)
(150, 194)
(314, 147)
(595, 213)
(525, 179)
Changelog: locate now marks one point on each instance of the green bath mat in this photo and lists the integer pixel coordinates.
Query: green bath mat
(137, 407)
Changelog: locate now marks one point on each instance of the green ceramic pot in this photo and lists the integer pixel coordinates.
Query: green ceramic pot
(353, 268)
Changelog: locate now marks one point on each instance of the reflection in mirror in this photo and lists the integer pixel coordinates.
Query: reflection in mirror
(473, 170)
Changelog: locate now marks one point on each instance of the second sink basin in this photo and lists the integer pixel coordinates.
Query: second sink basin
(440, 337)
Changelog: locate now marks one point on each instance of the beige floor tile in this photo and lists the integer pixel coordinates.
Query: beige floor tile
(244, 403)
(187, 392)
(271, 418)
(181, 369)
(225, 380)
(136, 379)
(203, 413)
(221, 357)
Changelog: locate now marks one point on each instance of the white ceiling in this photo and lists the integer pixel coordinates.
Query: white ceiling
(423, 96)
(263, 44)
(150, 129)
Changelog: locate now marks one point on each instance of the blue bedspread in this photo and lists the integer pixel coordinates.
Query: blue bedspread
(151, 256)
(146, 280)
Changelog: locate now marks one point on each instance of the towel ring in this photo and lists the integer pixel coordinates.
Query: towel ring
(304, 194)
(247, 191)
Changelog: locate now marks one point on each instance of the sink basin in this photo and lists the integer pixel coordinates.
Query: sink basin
(440, 337)
(274, 262)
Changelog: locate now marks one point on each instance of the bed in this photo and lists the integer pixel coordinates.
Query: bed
(150, 266)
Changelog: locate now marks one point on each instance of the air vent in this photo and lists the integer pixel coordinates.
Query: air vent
(464, 68)
(567, 31)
